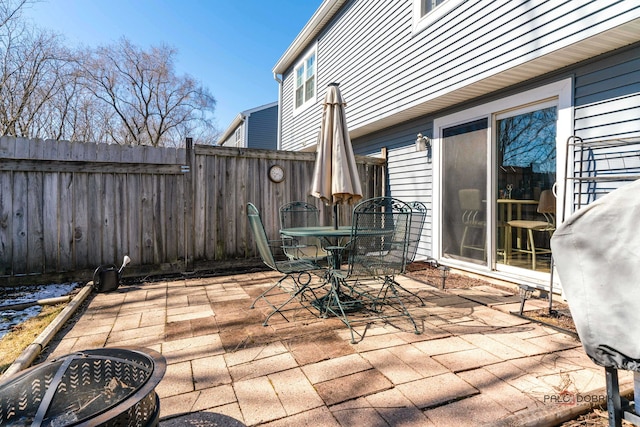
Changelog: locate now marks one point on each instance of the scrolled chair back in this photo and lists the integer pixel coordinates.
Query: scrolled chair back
(379, 237)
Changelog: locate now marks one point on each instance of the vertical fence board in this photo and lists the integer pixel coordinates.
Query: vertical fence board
(64, 151)
(239, 208)
(66, 225)
(253, 195)
(50, 150)
(36, 149)
(121, 216)
(228, 192)
(218, 200)
(6, 220)
(210, 199)
(22, 148)
(180, 214)
(137, 153)
(159, 220)
(134, 231)
(81, 220)
(95, 219)
(199, 207)
(109, 252)
(35, 226)
(188, 187)
(7, 147)
(50, 217)
(20, 230)
(268, 202)
(147, 219)
(172, 226)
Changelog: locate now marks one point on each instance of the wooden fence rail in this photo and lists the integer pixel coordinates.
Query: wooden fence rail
(70, 207)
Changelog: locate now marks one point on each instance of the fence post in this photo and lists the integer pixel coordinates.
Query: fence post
(188, 205)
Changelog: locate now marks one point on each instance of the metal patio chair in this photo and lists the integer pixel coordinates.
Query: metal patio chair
(301, 214)
(298, 270)
(418, 218)
(414, 233)
(377, 251)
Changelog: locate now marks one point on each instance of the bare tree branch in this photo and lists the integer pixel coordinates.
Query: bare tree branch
(116, 94)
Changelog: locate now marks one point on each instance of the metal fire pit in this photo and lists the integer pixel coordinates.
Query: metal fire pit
(99, 387)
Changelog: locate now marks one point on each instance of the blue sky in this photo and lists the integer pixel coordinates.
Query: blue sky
(230, 46)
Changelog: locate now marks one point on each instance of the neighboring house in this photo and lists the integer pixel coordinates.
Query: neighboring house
(255, 128)
(498, 86)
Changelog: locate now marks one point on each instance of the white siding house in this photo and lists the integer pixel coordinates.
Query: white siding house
(498, 87)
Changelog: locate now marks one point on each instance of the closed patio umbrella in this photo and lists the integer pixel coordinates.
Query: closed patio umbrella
(335, 177)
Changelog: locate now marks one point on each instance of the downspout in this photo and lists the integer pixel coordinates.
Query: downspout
(245, 122)
(279, 126)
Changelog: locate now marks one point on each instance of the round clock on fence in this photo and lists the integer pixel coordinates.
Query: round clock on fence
(276, 173)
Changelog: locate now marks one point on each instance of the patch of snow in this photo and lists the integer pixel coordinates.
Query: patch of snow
(26, 294)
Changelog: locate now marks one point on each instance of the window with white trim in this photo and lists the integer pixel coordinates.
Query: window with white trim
(427, 6)
(305, 81)
(238, 137)
(428, 12)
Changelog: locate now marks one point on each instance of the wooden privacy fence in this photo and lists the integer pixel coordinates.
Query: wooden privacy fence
(70, 207)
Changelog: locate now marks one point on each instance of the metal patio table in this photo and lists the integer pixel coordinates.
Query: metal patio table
(336, 301)
(327, 233)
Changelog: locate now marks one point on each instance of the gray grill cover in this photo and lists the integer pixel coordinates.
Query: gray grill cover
(597, 256)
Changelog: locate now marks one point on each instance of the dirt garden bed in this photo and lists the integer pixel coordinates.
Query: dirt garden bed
(559, 316)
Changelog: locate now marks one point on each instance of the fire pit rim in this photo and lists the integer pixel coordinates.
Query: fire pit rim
(159, 366)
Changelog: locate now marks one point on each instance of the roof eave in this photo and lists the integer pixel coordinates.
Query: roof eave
(322, 15)
(237, 121)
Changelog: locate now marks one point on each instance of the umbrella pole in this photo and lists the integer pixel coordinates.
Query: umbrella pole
(335, 216)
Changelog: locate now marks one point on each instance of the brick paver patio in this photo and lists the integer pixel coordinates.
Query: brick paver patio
(474, 362)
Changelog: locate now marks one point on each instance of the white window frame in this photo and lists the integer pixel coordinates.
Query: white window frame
(303, 63)
(238, 135)
(420, 21)
(561, 91)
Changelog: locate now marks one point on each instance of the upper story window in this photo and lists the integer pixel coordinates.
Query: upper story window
(428, 5)
(305, 81)
(238, 137)
(428, 12)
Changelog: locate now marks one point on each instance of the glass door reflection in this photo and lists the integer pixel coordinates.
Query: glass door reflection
(526, 166)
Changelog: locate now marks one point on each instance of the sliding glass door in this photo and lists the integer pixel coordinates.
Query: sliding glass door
(496, 174)
(464, 158)
(526, 167)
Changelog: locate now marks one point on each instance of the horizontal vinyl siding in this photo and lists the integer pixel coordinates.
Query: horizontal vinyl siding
(409, 173)
(384, 68)
(607, 97)
(410, 179)
(483, 40)
(361, 44)
(299, 131)
(606, 100)
(343, 52)
(263, 129)
(607, 108)
(477, 40)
